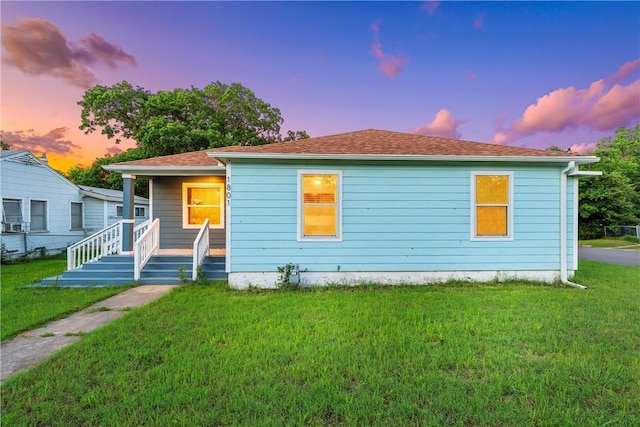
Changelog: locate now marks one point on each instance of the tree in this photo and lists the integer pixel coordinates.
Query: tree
(96, 176)
(555, 148)
(5, 147)
(181, 120)
(296, 136)
(612, 199)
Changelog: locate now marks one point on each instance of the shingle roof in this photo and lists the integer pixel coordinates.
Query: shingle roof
(365, 143)
(381, 142)
(194, 158)
(109, 194)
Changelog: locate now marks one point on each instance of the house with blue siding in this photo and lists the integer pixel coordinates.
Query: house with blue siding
(372, 206)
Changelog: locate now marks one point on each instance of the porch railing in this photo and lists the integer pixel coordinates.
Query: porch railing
(105, 242)
(200, 248)
(139, 229)
(144, 247)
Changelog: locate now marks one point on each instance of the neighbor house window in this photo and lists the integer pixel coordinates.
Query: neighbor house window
(76, 216)
(201, 201)
(319, 207)
(38, 215)
(12, 215)
(492, 205)
(138, 212)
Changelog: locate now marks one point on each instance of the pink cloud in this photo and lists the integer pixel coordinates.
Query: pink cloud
(391, 65)
(602, 106)
(430, 6)
(294, 79)
(113, 150)
(38, 47)
(583, 148)
(51, 142)
(479, 22)
(625, 71)
(443, 125)
(471, 76)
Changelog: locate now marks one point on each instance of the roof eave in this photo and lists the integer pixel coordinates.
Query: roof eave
(166, 170)
(225, 156)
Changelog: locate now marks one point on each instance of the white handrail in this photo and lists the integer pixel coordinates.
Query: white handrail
(200, 248)
(147, 245)
(139, 229)
(105, 242)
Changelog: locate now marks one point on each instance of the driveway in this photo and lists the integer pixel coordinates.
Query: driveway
(615, 256)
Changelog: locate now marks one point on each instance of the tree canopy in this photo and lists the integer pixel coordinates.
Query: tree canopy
(96, 176)
(612, 199)
(173, 122)
(182, 120)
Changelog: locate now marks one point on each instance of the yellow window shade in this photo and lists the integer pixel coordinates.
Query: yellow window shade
(491, 220)
(319, 221)
(492, 189)
(197, 215)
(203, 196)
(319, 189)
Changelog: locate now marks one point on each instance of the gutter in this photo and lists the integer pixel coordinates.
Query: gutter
(229, 155)
(569, 170)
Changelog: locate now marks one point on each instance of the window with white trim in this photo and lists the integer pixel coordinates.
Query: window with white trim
(76, 216)
(12, 215)
(138, 211)
(38, 212)
(319, 205)
(202, 200)
(491, 205)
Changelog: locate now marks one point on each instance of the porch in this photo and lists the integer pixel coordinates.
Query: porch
(100, 259)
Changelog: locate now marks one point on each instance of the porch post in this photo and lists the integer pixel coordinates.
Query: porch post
(128, 182)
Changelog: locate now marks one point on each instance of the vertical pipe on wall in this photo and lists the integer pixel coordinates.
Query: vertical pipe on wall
(227, 245)
(563, 227)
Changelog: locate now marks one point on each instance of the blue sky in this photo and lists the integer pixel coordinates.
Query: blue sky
(531, 74)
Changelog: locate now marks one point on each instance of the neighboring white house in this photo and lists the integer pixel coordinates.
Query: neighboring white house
(42, 210)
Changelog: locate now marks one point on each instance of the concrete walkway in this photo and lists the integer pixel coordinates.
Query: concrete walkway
(36, 345)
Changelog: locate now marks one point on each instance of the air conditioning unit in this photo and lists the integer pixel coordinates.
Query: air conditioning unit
(12, 227)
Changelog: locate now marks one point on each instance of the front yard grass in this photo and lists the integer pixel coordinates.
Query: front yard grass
(457, 354)
(27, 308)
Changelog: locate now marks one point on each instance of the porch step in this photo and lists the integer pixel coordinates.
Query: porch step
(177, 269)
(117, 270)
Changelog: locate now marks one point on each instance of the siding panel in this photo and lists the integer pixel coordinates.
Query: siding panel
(395, 218)
(167, 199)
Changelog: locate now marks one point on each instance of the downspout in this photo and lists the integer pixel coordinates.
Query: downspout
(563, 227)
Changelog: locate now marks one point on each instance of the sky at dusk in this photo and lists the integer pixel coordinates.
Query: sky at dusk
(529, 74)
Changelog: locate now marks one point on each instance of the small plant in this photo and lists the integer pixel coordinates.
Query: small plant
(284, 281)
(201, 278)
(47, 335)
(181, 275)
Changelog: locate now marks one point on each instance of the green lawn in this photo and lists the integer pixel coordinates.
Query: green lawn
(494, 354)
(26, 308)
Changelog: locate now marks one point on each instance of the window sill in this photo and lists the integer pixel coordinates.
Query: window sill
(493, 239)
(320, 239)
